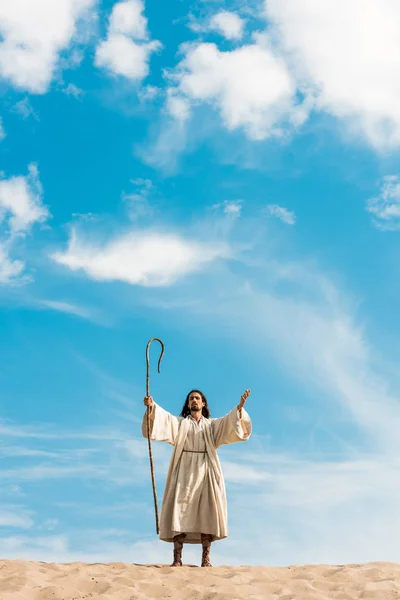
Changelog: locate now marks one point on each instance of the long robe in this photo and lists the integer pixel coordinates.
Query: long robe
(194, 499)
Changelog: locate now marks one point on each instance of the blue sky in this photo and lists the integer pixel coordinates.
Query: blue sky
(224, 176)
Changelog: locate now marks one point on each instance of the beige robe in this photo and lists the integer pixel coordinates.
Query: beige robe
(194, 499)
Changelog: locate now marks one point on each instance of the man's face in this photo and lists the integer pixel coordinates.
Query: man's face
(195, 402)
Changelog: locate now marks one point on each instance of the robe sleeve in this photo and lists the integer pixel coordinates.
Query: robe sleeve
(234, 427)
(163, 426)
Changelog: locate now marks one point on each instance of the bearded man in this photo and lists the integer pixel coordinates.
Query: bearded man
(194, 509)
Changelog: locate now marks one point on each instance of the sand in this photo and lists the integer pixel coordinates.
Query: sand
(26, 580)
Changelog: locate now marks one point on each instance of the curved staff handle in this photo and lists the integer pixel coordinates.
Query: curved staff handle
(153, 480)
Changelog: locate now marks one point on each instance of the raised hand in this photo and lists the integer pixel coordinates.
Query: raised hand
(148, 401)
(243, 399)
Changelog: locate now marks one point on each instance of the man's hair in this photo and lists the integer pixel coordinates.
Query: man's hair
(186, 410)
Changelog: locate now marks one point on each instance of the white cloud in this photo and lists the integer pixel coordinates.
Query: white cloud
(126, 50)
(127, 18)
(21, 201)
(349, 54)
(177, 106)
(385, 208)
(33, 35)
(21, 207)
(124, 56)
(229, 24)
(250, 86)
(285, 215)
(338, 58)
(148, 259)
(10, 270)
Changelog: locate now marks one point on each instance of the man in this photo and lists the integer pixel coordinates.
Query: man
(194, 507)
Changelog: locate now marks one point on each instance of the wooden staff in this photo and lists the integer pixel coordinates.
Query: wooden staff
(153, 480)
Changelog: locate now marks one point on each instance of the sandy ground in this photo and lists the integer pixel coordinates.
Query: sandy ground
(25, 580)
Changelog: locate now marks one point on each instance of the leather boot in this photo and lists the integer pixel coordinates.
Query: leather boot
(206, 543)
(178, 545)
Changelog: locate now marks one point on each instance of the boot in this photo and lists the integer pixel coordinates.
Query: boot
(178, 545)
(206, 543)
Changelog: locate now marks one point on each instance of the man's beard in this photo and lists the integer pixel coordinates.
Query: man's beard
(195, 409)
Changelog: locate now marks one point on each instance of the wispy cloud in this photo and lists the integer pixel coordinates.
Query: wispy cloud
(231, 208)
(2, 130)
(97, 547)
(50, 453)
(73, 90)
(15, 516)
(319, 342)
(43, 472)
(385, 208)
(68, 308)
(293, 315)
(138, 201)
(313, 331)
(21, 207)
(170, 138)
(300, 317)
(300, 499)
(25, 109)
(295, 500)
(20, 451)
(25, 547)
(242, 473)
(43, 432)
(285, 215)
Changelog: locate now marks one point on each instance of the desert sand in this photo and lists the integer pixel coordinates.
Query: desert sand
(26, 580)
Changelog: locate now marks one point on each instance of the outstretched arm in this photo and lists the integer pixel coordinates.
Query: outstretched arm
(234, 427)
(163, 426)
(243, 402)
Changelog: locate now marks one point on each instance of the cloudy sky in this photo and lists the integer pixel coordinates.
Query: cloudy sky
(225, 176)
